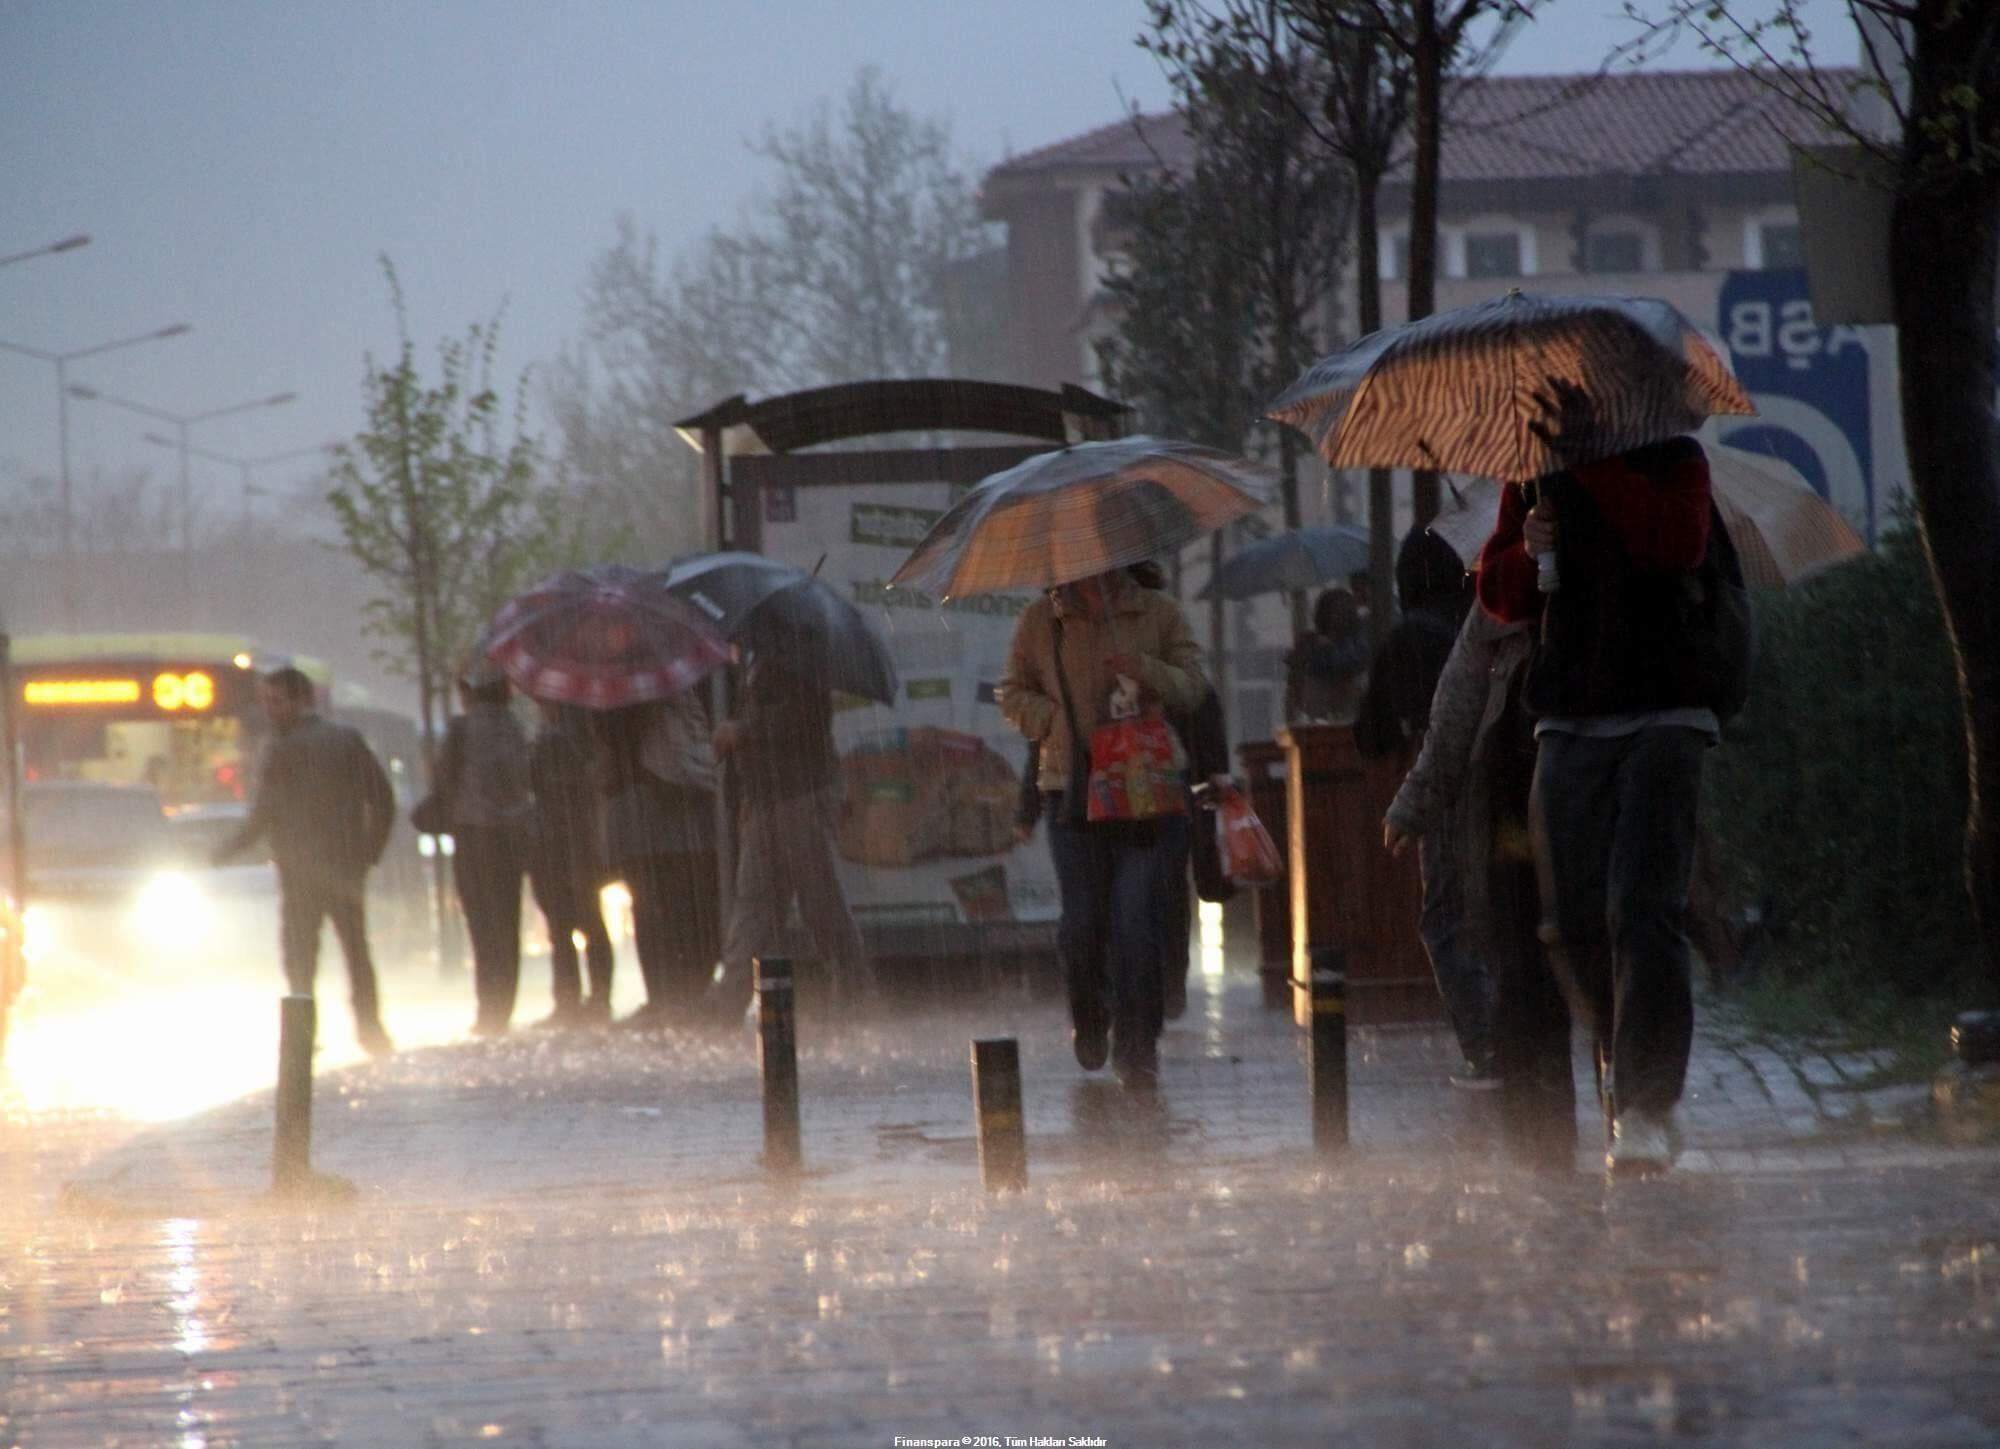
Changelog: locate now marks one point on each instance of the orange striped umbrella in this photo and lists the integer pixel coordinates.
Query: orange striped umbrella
(1512, 388)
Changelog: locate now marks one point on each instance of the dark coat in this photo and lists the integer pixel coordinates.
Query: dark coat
(325, 804)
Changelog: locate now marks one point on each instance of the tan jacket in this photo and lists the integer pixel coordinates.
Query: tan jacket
(1144, 623)
(676, 748)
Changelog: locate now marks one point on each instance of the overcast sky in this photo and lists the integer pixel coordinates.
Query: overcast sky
(240, 165)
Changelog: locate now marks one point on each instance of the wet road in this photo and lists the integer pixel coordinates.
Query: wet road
(569, 1242)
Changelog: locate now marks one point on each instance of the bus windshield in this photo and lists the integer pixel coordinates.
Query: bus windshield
(177, 714)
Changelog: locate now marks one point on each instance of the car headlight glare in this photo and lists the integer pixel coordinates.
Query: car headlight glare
(171, 911)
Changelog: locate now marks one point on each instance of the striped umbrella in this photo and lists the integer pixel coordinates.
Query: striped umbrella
(1082, 510)
(1513, 387)
(1298, 558)
(603, 637)
(1784, 532)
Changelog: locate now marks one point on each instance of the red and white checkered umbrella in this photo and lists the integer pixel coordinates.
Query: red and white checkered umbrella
(603, 637)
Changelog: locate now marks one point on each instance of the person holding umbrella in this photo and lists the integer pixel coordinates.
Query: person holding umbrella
(1072, 650)
(781, 742)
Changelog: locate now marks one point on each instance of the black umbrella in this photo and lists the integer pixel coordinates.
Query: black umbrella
(764, 603)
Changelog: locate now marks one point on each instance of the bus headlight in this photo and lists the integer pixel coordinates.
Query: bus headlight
(37, 934)
(172, 911)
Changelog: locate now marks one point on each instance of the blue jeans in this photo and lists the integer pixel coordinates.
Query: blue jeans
(1113, 880)
(1462, 978)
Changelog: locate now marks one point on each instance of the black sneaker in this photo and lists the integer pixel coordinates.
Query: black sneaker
(375, 1041)
(1092, 1041)
(1476, 1076)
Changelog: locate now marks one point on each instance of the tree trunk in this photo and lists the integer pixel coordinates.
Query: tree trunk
(1381, 482)
(1943, 252)
(1427, 72)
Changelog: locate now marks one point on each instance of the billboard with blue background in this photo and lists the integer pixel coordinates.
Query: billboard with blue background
(1825, 396)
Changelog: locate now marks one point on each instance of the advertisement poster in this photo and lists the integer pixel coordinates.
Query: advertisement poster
(928, 785)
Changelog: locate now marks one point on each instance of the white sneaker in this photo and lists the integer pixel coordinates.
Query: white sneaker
(1642, 1144)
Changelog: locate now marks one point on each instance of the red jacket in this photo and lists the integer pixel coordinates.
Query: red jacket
(1661, 516)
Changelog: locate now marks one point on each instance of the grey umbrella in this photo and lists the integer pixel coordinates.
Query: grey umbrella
(1295, 559)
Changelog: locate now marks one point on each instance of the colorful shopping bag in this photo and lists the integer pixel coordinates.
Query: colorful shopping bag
(1135, 770)
(1249, 855)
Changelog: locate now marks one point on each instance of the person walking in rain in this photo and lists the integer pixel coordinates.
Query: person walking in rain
(566, 869)
(490, 810)
(1069, 651)
(326, 806)
(1466, 800)
(657, 774)
(781, 743)
(1395, 713)
(1605, 560)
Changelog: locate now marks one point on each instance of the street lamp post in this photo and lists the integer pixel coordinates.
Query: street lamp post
(182, 422)
(67, 244)
(245, 466)
(62, 360)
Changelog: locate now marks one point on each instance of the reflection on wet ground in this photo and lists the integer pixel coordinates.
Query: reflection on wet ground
(569, 1241)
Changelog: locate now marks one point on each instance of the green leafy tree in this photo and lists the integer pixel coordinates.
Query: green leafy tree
(440, 500)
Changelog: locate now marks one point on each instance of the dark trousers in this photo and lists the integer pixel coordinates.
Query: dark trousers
(1531, 1028)
(486, 865)
(302, 907)
(1462, 977)
(677, 925)
(1614, 829)
(1112, 878)
(571, 908)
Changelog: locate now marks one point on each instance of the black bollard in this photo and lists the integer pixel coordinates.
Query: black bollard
(1328, 1048)
(1975, 1037)
(778, 1057)
(291, 1143)
(996, 1105)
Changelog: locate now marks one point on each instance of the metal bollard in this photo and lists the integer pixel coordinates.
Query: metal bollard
(291, 1142)
(1327, 1056)
(778, 1058)
(996, 1106)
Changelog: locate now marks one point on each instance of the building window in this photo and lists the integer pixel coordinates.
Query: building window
(1781, 245)
(1493, 254)
(1392, 263)
(1615, 251)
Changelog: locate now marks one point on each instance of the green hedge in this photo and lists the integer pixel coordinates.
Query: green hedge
(1838, 799)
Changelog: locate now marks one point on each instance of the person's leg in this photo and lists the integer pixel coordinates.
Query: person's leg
(479, 866)
(1573, 812)
(1177, 917)
(1652, 857)
(599, 954)
(555, 896)
(757, 905)
(1137, 902)
(1083, 883)
(1530, 1027)
(686, 932)
(651, 884)
(299, 911)
(1462, 977)
(349, 914)
(814, 874)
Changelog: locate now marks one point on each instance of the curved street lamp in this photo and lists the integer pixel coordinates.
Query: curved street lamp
(62, 360)
(182, 422)
(67, 244)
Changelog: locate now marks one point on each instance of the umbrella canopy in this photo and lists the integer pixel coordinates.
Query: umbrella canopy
(762, 602)
(603, 637)
(1082, 510)
(1513, 387)
(1783, 531)
(1298, 558)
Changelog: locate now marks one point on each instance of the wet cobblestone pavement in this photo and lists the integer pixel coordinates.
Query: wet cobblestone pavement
(570, 1241)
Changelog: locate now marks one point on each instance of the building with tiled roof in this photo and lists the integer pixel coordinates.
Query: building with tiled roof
(1658, 181)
